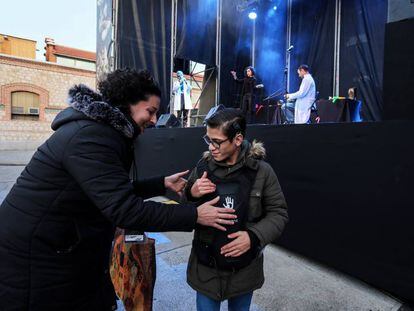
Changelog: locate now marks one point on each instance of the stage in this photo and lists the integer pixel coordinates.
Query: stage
(347, 186)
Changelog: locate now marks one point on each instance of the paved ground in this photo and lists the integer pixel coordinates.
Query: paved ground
(292, 282)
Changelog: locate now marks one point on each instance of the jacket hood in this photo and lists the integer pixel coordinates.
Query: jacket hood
(250, 155)
(87, 104)
(257, 150)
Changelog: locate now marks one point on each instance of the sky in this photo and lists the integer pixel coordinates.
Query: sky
(70, 22)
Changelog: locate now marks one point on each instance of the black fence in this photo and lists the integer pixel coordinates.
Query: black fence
(348, 188)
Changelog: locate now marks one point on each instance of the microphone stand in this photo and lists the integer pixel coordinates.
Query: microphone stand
(287, 62)
(287, 59)
(274, 94)
(182, 98)
(268, 98)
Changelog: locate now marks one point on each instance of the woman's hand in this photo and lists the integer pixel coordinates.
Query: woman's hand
(216, 217)
(238, 246)
(176, 182)
(202, 186)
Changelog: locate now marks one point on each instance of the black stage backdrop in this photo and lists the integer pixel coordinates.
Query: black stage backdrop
(313, 38)
(348, 188)
(196, 40)
(270, 46)
(362, 53)
(196, 30)
(236, 39)
(144, 40)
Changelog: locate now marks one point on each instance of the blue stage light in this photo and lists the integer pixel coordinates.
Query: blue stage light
(275, 8)
(252, 15)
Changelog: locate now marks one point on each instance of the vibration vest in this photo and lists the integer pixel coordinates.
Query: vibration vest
(234, 193)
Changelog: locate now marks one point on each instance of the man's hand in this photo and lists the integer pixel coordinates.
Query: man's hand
(176, 182)
(215, 217)
(238, 246)
(202, 186)
(287, 96)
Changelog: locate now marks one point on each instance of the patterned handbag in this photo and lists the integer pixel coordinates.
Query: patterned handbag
(133, 271)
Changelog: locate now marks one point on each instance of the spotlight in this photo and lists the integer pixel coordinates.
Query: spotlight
(252, 15)
(275, 8)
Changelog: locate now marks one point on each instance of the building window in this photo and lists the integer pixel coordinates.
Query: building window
(25, 105)
(74, 62)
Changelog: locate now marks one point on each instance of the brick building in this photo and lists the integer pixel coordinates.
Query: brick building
(68, 56)
(32, 92)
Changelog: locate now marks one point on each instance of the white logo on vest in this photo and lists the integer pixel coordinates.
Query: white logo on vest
(229, 202)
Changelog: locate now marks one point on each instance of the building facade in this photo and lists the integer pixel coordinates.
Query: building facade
(67, 56)
(32, 93)
(20, 47)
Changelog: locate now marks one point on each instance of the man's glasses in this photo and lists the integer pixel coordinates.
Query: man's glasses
(216, 143)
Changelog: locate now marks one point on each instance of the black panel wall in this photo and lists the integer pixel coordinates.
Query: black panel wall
(348, 188)
(399, 70)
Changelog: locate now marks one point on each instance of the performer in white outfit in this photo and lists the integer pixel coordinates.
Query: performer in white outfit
(305, 97)
(182, 99)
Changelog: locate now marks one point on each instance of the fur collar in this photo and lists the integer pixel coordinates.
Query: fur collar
(257, 150)
(91, 104)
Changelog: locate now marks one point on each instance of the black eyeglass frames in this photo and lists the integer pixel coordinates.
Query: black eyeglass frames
(216, 144)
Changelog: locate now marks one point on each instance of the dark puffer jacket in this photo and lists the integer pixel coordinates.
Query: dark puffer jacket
(57, 222)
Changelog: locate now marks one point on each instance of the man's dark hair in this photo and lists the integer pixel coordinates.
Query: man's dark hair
(231, 121)
(304, 67)
(126, 86)
(252, 70)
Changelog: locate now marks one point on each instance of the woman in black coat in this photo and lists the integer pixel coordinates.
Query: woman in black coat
(57, 222)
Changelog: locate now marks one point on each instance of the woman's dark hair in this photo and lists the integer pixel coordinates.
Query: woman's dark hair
(231, 121)
(251, 69)
(126, 86)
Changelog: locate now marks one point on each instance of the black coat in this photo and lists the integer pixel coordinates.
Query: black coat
(57, 222)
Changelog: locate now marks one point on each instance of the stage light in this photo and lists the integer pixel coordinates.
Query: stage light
(275, 8)
(252, 15)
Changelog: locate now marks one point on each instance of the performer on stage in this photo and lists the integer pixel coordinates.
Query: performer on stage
(305, 97)
(247, 93)
(182, 99)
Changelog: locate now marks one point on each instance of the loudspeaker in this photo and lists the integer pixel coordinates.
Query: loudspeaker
(213, 111)
(168, 120)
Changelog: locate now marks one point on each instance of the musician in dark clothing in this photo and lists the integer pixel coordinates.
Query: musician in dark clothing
(247, 93)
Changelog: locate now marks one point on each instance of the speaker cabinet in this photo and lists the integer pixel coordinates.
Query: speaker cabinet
(168, 120)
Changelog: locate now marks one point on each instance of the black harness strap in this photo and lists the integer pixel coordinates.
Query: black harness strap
(234, 192)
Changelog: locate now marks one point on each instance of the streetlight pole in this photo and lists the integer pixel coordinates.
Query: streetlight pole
(218, 51)
(254, 42)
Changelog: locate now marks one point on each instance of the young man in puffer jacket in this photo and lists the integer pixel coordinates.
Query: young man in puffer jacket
(229, 265)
